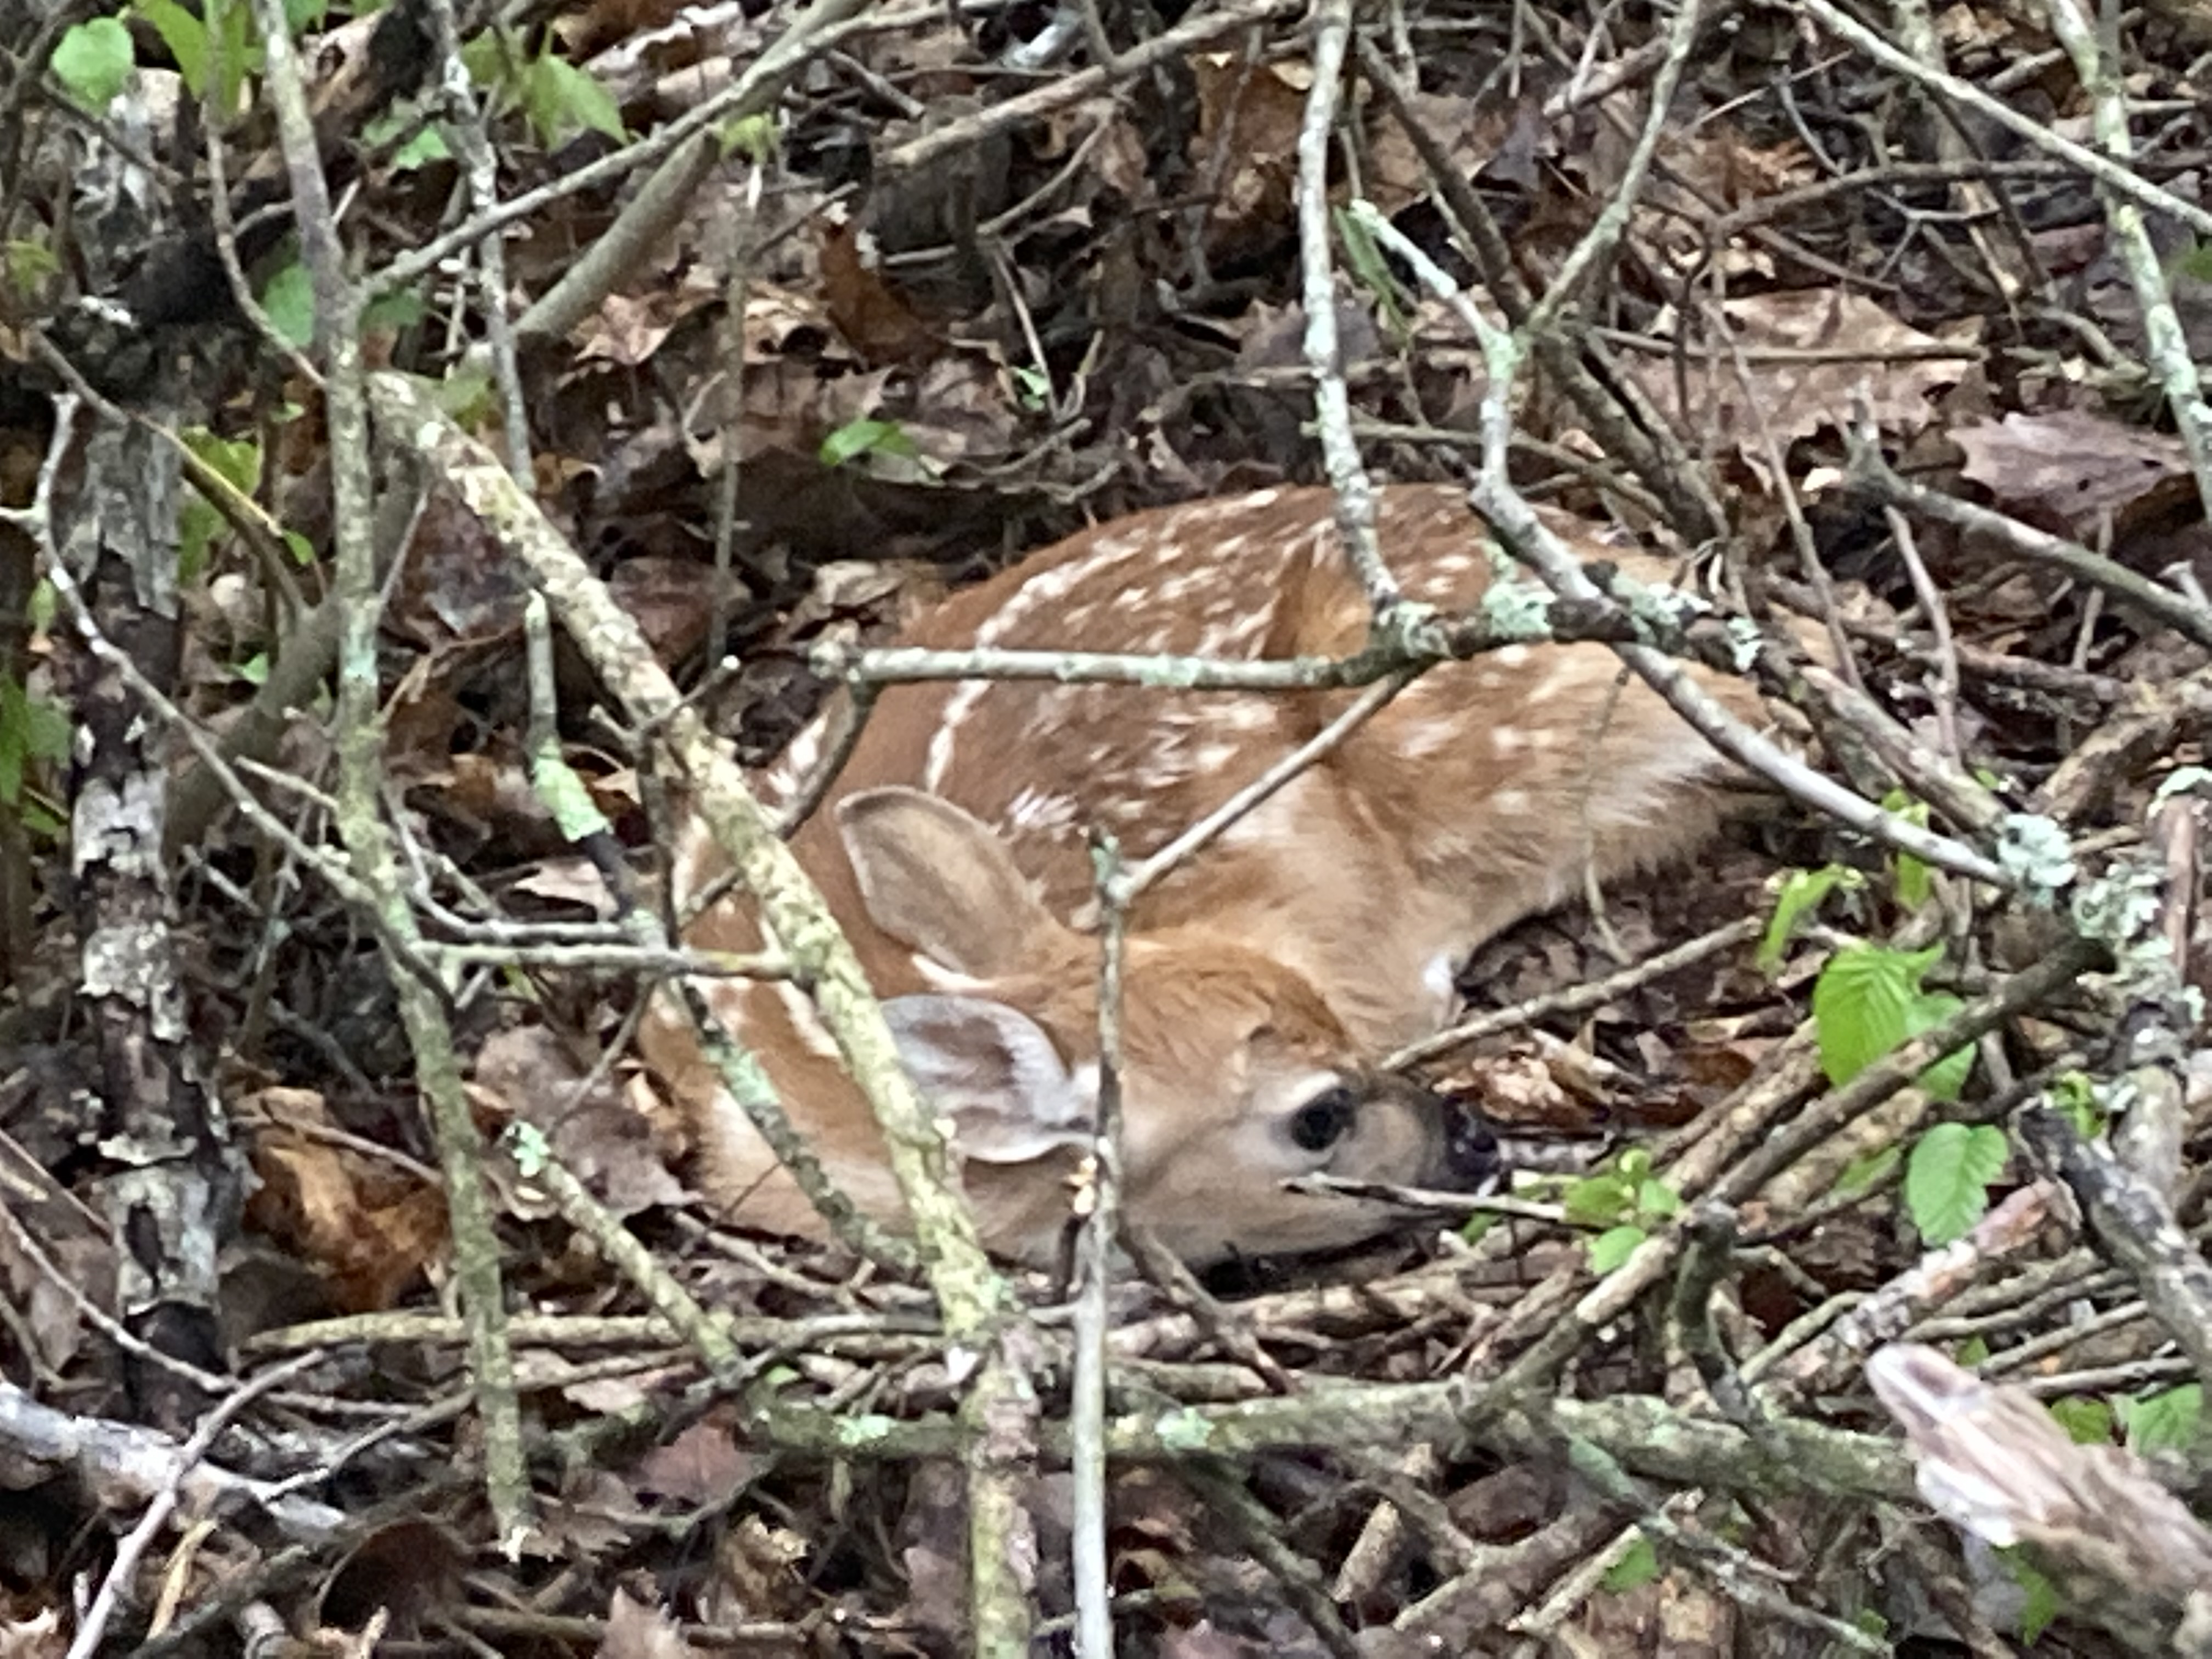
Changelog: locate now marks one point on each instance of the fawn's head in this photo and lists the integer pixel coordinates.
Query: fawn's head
(1236, 1078)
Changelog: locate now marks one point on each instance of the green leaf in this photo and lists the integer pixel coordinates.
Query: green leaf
(566, 796)
(2042, 1603)
(485, 56)
(2193, 259)
(752, 137)
(1868, 1000)
(185, 33)
(1861, 1006)
(1948, 1178)
(2166, 1421)
(1913, 880)
(2073, 1096)
(32, 729)
(426, 148)
(1947, 1079)
(467, 395)
(390, 313)
(1802, 891)
(1032, 387)
(290, 300)
(2087, 1422)
(29, 265)
(93, 60)
(1637, 1567)
(234, 51)
(562, 100)
(527, 1146)
(1599, 1200)
(1372, 271)
(865, 437)
(238, 462)
(1916, 881)
(1614, 1246)
(12, 755)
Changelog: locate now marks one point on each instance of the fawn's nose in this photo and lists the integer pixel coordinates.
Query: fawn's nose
(1472, 1161)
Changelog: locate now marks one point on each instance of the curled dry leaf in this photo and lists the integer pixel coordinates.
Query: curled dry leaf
(368, 1224)
(2123, 1550)
(635, 1630)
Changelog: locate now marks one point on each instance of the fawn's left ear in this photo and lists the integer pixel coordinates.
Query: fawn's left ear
(934, 877)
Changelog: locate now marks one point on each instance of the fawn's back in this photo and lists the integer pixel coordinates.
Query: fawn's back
(1317, 933)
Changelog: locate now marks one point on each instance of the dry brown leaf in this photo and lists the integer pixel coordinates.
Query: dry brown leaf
(569, 881)
(594, 1514)
(1808, 359)
(456, 582)
(368, 1224)
(75, 1242)
(1247, 136)
(671, 599)
(758, 1567)
(629, 328)
(703, 1465)
(528, 1075)
(876, 321)
(1471, 134)
(38, 1635)
(2071, 471)
(633, 1631)
(407, 1572)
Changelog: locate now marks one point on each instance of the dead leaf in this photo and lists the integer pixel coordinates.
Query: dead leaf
(530, 1075)
(703, 1466)
(2073, 471)
(1249, 115)
(569, 881)
(874, 319)
(369, 1224)
(633, 1631)
(1807, 358)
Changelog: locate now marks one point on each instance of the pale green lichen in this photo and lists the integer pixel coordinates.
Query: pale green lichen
(2034, 851)
(864, 1429)
(1186, 1430)
(1744, 642)
(1514, 609)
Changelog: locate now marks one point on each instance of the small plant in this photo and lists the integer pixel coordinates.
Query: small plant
(1625, 1199)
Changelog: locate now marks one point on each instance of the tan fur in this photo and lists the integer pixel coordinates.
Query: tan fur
(1312, 938)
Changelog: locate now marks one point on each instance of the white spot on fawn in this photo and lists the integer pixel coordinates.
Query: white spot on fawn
(798, 1008)
(1040, 596)
(1034, 810)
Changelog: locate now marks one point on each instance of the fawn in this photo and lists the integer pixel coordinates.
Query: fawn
(1267, 974)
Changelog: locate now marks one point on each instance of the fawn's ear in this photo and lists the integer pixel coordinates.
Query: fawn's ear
(992, 1071)
(933, 878)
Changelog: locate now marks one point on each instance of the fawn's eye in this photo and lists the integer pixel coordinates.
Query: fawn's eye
(1322, 1121)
